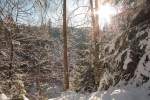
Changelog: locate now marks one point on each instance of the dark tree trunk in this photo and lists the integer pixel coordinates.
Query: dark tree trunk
(66, 73)
(10, 57)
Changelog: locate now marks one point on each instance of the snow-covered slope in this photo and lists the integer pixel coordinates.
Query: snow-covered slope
(126, 59)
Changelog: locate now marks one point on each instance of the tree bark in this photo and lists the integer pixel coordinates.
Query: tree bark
(66, 72)
(95, 34)
(11, 53)
(96, 31)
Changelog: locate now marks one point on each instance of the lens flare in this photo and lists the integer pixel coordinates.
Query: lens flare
(106, 12)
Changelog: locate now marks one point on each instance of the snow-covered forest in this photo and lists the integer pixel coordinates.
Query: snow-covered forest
(74, 49)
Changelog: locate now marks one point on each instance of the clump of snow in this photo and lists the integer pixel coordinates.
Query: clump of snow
(146, 41)
(4, 53)
(144, 65)
(25, 98)
(140, 33)
(143, 43)
(143, 71)
(3, 97)
(127, 60)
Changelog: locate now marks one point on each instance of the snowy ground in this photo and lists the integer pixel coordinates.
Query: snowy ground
(126, 93)
(4, 97)
(112, 94)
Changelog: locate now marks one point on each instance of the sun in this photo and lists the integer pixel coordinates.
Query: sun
(106, 12)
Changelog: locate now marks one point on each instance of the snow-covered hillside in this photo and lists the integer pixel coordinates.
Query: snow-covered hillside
(125, 58)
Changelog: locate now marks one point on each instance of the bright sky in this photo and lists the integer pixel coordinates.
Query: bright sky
(77, 12)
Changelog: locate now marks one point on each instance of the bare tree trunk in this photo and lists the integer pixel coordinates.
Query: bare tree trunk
(11, 57)
(66, 73)
(93, 19)
(17, 28)
(96, 31)
(95, 35)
